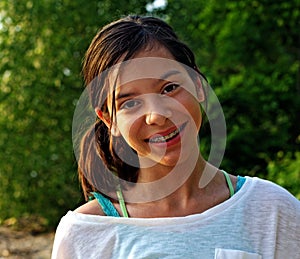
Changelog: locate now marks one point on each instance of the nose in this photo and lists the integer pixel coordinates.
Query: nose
(158, 111)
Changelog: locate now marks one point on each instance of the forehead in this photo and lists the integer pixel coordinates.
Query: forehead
(150, 62)
(147, 68)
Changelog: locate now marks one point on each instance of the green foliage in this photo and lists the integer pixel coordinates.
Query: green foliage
(249, 51)
(42, 44)
(285, 170)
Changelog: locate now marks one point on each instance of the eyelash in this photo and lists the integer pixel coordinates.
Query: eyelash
(135, 103)
(173, 89)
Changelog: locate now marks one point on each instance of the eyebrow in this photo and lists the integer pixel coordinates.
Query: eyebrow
(161, 78)
(168, 74)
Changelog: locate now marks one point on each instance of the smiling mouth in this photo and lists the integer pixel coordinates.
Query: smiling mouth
(163, 139)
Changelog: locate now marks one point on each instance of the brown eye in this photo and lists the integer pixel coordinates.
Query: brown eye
(170, 88)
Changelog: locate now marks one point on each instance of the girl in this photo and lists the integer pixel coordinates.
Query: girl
(154, 194)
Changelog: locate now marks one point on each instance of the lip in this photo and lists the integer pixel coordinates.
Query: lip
(166, 132)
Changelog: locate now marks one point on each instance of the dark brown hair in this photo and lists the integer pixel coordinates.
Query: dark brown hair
(116, 42)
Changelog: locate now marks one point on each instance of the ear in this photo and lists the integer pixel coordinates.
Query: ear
(200, 90)
(106, 119)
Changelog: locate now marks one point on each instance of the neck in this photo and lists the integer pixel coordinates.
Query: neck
(184, 199)
(160, 181)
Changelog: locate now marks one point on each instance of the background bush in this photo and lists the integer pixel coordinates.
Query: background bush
(249, 51)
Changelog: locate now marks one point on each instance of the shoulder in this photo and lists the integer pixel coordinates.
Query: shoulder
(272, 195)
(270, 188)
(266, 207)
(277, 210)
(73, 232)
(91, 208)
(64, 237)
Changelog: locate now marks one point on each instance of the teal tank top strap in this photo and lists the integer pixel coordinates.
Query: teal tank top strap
(239, 183)
(106, 205)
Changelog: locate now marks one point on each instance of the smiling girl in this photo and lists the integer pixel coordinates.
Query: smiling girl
(141, 169)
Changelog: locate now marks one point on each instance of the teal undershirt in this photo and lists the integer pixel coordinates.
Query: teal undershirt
(106, 205)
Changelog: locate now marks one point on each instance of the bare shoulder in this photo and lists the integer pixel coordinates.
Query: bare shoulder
(91, 208)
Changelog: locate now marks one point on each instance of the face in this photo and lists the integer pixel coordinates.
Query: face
(157, 108)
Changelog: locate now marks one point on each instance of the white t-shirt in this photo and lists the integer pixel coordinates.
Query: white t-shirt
(262, 220)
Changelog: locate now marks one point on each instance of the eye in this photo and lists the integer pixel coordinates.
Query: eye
(170, 88)
(130, 104)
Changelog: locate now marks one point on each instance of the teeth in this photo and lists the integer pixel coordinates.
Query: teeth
(165, 138)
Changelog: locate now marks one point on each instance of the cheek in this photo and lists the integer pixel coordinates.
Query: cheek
(197, 115)
(128, 127)
(124, 128)
(193, 107)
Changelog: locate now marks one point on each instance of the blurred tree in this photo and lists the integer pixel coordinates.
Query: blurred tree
(250, 51)
(42, 43)
(284, 170)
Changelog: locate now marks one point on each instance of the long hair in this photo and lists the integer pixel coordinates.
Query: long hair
(116, 42)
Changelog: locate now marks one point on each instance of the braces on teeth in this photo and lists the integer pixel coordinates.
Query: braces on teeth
(165, 138)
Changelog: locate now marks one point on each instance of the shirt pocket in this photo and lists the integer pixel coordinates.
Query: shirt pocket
(234, 254)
